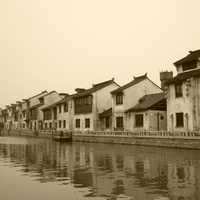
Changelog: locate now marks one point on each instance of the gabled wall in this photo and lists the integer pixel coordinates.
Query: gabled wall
(131, 96)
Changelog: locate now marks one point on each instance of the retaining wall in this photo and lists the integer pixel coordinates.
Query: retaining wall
(159, 142)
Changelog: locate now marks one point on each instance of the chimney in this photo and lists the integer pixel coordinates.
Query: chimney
(164, 77)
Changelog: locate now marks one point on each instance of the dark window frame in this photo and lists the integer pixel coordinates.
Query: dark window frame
(139, 120)
(180, 120)
(119, 99)
(64, 123)
(78, 123)
(87, 123)
(178, 90)
(120, 122)
(107, 122)
(60, 123)
(65, 105)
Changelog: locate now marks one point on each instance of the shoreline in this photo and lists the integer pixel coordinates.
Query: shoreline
(169, 142)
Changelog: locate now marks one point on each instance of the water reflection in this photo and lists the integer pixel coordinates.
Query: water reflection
(107, 171)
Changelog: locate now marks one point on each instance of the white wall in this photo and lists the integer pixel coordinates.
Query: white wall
(150, 118)
(176, 105)
(63, 116)
(131, 97)
(82, 118)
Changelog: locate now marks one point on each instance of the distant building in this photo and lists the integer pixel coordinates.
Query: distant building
(56, 116)
(183, 95)
(44, 118)
(33, 104)
(88, 104)
(127, 96)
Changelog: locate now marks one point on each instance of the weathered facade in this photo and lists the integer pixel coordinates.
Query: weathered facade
(88, 104)
(56, 116)
(183, 99)
(33, 105)
(127, 96)
(150, 114)
(45, 117)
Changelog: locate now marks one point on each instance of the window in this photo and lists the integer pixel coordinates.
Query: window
(119, 122)
(107, 122)
(24, 114)
(65, 107)
(78, 123)
(178, 90)
(87, 123)
(179, 120)
(189, 65)
(60, 124)
(119, 99)
(139, 120)
(47, 114)
(45, 125)
(60, 108)
(64, 123)
(50, 125)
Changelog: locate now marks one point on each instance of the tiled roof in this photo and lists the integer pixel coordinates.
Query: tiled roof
(192, 56)
(47, 94)
(184, 75)
(95, 88)
(130, 84)
(106, 113)
(55, 104)
(36, 106)
(44, 92)
(148, 101)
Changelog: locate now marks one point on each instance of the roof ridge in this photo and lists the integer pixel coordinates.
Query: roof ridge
(135, 81)
(104, 82)
(193, 55)
(37, 94)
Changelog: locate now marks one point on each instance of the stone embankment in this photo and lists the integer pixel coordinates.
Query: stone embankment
(188, 140)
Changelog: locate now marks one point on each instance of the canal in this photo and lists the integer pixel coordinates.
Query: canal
(41, 169)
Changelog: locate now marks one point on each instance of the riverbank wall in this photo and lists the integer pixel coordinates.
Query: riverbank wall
(187, 140)
(27, 133)
(164, 139)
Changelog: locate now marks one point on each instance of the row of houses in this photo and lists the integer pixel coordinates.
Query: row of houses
(136, 106)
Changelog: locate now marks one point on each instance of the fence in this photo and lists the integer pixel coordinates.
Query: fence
(141, 134)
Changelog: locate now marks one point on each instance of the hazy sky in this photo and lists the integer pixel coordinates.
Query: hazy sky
(64, 44)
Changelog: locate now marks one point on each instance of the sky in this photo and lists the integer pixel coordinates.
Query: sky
(65, 44)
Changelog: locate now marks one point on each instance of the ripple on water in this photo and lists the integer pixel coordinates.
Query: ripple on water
(99, 171)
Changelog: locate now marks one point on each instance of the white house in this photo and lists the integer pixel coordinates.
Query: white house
(127, 96)
(57, 115)
(45, 115)
(33, 104)
(87, 104)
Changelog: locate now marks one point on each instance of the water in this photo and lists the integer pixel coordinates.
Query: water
(40, 169)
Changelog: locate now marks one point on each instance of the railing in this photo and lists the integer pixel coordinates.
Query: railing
(129, 134)
(141, 134)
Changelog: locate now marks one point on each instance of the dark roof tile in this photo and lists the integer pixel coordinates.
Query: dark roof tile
(192, 56)
(106, 113)
(184, 76)
(95, 88)
(147, 101)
